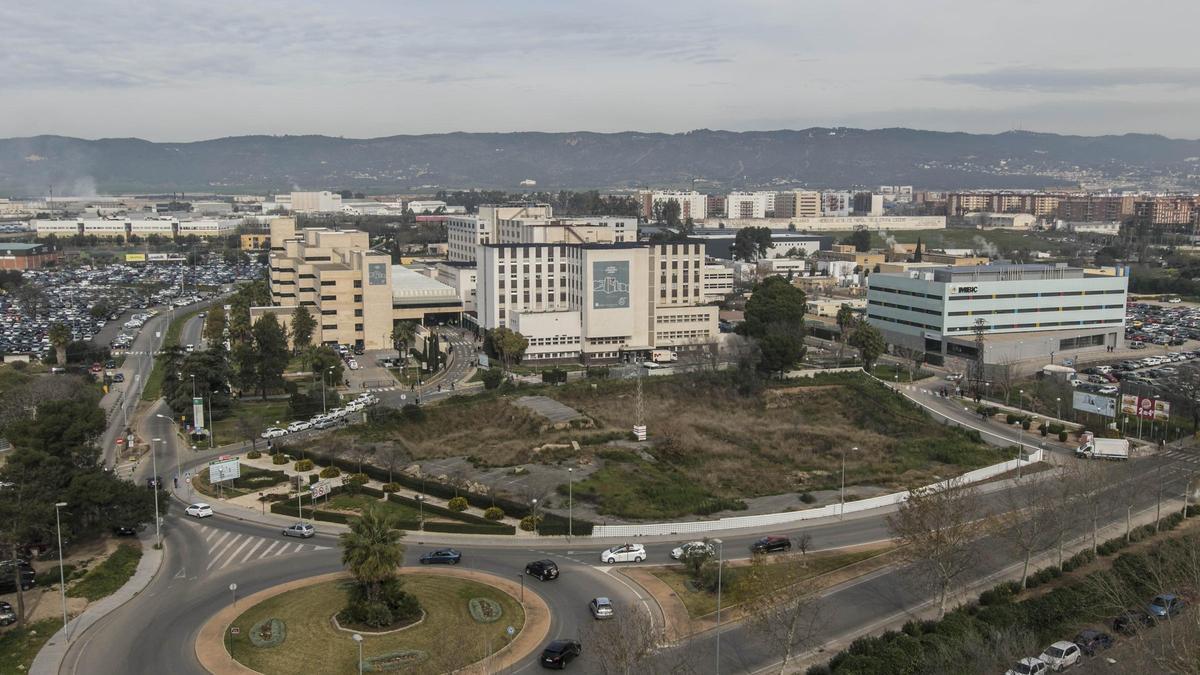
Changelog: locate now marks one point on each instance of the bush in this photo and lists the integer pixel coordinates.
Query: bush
(494, 513)
(330, 472)
(492, 377)
(470, 528)
(313, 478)
(279, 458)
(457, 504)
(807, 498)
(253, 454)
(1026, 423)
(597, 373)
(303, 465)
(1043, 430)
(1062, 436)
(389, 488)
(530, 523)
(357, 480)
(1010, 418)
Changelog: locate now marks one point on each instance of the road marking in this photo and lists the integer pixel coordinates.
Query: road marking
(214, 547)
(285, 547)
(264, 553)
(212, 532)
(320, 548)
(235, 553)
(298, 547)
(249, 553)
(218, 556)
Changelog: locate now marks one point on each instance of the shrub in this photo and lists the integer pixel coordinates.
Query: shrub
(357, 480)
(530, 523)
(253, 454)
(597, 373)
(807, 498)
(391, 487)
(492, 377)
(457, 504)
(303, 465)
(1026, 423)
(1043, 430)
(1010, 418)
(330, 472)
(313, 478)
(279, 458)
(1062, 436)
(494, 513)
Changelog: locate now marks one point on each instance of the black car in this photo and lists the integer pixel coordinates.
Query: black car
(1131, 621)
(444, 556)
(1090, 641)
(154, 482)
(7, 576)
(560, 652)
(542, 569)
(125, 531)
(771, 544)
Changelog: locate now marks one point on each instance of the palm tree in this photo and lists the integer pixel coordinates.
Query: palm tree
(60, 337)
(372, 549)
(403, 334)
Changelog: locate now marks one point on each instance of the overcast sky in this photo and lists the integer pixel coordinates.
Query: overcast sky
(358, 68)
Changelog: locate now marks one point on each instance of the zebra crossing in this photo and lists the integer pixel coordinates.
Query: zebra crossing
(226, 548)
(1181, 455)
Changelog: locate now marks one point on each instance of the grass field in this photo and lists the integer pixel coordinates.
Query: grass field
(736, 587)
(153, 388)
(104, 579)
(18, 646)
(259, 414)
(448, 634)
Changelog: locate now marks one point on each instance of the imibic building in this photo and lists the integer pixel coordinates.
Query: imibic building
(1026, 312)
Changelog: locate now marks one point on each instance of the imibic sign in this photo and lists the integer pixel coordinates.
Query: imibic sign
(967, 289)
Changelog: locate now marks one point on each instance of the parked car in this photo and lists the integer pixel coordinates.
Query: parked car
(1090, 641)
(559, 653)
(442, 556)
(274, 432)
(1028, 666)
(119, 377)
(199, 510)
(542, 569)
(1130, 621)
(1061, 655)
(302, 530)
(770, 544)
(28, 576)
(692, 548)
(298, 426)
(125, 531)
(624, 553)
(1165, 606)
(601, 608)
(7, 615)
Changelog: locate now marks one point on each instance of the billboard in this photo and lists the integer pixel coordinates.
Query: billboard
(225, 468)
(1145, 407)
(135, 257)
(198, 412)
(610, 284)
(1101, 405)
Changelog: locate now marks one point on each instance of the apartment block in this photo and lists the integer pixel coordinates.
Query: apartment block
(749, 204)
(124, 228)
(691, 204)
(798, 204)
(464, 233)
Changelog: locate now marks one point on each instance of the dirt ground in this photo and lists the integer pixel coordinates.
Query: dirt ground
(44, 602)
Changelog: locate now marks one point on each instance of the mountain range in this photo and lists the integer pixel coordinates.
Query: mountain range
(710, 160)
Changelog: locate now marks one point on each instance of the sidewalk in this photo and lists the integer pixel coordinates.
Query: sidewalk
(49, 659)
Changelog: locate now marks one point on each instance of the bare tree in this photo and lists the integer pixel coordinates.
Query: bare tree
(625, 643)
(937, 526)
(1090, 482)
(784, 613)
(1026, 523)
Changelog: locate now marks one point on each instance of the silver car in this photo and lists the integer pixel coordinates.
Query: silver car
(601, 608)
(302, 530)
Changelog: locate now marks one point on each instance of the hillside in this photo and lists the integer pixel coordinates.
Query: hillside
(719, 160)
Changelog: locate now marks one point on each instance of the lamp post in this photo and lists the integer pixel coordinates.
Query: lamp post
(232, 589)
(720, 566)
(62, 581)
(1058, 402)
(570, 502)
(164, 417)
(842, 490)
(421, 510)
(359, 639)
(154, 463)
(535, 523)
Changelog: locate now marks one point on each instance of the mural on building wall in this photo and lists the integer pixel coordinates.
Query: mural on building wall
(377, 274)
(610, 284)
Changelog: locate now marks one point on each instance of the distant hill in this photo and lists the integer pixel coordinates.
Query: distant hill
(719, 160)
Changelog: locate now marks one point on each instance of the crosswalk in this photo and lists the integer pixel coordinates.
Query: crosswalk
(226, 548)
(1181, 455)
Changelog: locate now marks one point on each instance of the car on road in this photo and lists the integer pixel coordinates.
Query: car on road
(1090, 641)
(125, 531)
(559, 653)
(1130, 621)
(624, 553)
(199, 510)
(302, 530)
(1028, 666)
(442, 556)
(7, 615)
(1165, 606)
(771, 544)
(298, 426)
(691, 548)
(542, 569)
(119, 377)
(1061, 655)
(601, 608)
(274, 432)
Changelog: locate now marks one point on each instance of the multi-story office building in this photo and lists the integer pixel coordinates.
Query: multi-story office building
(749, 204)
(718, 282)
(867, 204)
(838, 204)
(124, 228)
(596, 301)
(691, 204)
(1025, 312)
(316, 202)
(798, 204)
(464, 233)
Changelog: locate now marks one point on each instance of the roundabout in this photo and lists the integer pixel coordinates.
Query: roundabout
(292, 628)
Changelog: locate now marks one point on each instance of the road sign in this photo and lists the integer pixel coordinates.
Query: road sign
(224, 469)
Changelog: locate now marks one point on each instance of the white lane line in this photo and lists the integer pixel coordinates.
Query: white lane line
(284, 548)
(235, 553)
(249, 553)
(298, 547)
(214, 546)
(264, 553)
(217, 557)
(212, 532)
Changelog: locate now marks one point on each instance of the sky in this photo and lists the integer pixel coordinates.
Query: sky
(171, 70)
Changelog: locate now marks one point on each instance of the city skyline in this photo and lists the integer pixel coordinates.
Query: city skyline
(182, 72)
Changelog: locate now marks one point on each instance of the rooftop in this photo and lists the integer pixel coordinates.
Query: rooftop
(410, 285)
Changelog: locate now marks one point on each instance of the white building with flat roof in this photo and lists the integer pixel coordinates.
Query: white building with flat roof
(323, 201)
(692, 204)
(749, 204)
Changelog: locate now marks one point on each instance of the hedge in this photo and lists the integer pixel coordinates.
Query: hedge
(289, 509)
(470, 528)
(490, 526)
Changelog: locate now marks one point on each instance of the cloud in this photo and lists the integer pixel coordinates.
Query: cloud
(1021, 78)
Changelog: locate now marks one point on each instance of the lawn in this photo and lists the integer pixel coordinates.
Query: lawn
(18, 646)
(252, 479)
(344, 501)
(736, 589)
(104, 579)
(258, 415)
(449, 635)
(890, 372)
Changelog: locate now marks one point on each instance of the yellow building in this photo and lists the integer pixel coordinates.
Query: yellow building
(256, 241)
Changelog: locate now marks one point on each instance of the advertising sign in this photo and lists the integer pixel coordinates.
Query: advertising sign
(377, 274)
(1162, 410)
(610, 284)
(135, 257)
(224, 469)
(1145, 407)
(1101, 405)
(198, 412)
(320, 489)
(1129, 404)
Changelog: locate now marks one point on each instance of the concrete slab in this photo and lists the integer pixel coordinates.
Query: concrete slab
(549, 408)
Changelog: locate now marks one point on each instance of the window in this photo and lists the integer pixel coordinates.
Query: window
(328, 297)
(358, 326)
(358, 283)
(328, 283)
(358, 298)
(358, 312)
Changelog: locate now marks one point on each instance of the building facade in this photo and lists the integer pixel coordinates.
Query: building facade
(691, 204)
(798, 204)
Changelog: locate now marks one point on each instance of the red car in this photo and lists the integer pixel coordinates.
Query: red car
(96, 367)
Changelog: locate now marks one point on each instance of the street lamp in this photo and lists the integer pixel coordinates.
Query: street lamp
(720, 565)
(328, 373)
(535, 523)
(62, 581)
(421, 510)
(359, 639)
(842, 490)
(1058, 402)
(232, 589)
(570, 502)
(154, 462)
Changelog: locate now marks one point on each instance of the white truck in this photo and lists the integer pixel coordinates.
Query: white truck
(663, 356)
(1102, 448)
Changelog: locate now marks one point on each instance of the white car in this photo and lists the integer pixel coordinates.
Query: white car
(298, 426)
(199, 510)
(353, 364)
(1028, 666)
(335, 413)
(692, 548)
(356, 406)
(1061, 654)
(274, 432)
(624, 553)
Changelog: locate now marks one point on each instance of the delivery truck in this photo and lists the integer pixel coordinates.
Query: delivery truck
(663, 356)
(1091, 447)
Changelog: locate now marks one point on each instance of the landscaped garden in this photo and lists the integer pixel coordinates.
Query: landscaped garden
(252, 479)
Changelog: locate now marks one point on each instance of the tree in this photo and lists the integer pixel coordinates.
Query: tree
(670, 213)
(507, 345)
(270, 346)
(774, 301)
(403, 334)
(60, 337)
(937, 527)
(860, 238)
(784, 613)
(869, 342)
(751, 243)
(492, 377)
(373, 551)
(626, 644)
(303, 325)
(846, 320)
(214, 326)
(1089, 483)
(917, 251)
(1026, 523)
(779, 350)
(324, 360)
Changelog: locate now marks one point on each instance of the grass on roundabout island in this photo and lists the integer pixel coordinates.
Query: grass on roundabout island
(449, 635)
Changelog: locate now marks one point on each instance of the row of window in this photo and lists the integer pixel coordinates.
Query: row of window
(897, 291)
(902, 321)
(681, 334)
(1027, 310)
(922, 310)
(1040, 324)
(681, 318)
(333, 326)
(1047, 294)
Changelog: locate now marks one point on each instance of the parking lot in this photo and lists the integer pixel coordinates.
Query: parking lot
(1163, 325)
(86, 298)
